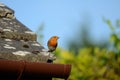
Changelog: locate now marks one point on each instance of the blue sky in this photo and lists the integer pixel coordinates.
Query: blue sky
(62, 17)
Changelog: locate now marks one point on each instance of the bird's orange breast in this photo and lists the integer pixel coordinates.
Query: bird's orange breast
(52, 42)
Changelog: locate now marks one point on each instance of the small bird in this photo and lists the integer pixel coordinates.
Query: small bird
(52, 43)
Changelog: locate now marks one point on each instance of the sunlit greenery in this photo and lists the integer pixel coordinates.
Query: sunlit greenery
(91, 64)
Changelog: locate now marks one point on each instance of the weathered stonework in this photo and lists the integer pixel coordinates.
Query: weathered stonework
(17, 42)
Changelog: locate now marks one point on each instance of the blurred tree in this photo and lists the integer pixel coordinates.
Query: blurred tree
(93, 63)
(83, 38)
(115, 37)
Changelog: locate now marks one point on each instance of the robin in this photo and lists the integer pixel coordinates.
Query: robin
(52, 43)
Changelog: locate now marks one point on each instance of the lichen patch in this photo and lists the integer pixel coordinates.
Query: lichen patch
(8, 46)
(21, 53)
(8, 40)
(35, 44)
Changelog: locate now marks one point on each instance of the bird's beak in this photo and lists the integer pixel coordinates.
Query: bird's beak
(58, 37)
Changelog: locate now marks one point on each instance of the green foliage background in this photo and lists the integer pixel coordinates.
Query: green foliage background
(94, 62)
